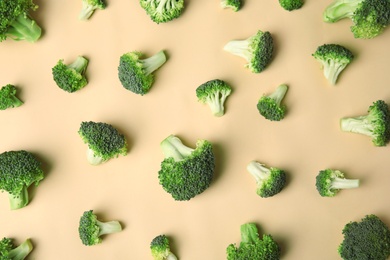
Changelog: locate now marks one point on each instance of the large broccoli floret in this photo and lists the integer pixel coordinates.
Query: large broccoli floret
(235, 5)
(334, 58)
(257, 50)
(104, 141)
(252, 247)
(19, 170)
(71, 77)
(91, 229)
(270, 106)
(291, 5)
(162, 11)
(329, 182)
(89, 7)
(15, 21)
(186, 172)
(8, 97)
(135, 73)
(8, 251)
(160, 248)
(376, 124)
(370, 17)
(368, 239)
(214, 93)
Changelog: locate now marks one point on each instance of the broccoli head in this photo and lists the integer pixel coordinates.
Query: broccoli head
(8, 251)
(89, 7)
(160, 248)
(186, 172)
(8, 97)
(214, 94)
(367, 239)
(71, 77)
(329, 182)
(375, 124)
(162, 11)
(235, 5)
(291, 5)
(257, 50)
(135, 73)
(333, 58)
(270, 107)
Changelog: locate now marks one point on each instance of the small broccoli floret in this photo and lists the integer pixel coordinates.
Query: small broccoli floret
(270, 106)
(186, 172)
(15, 21)
(329, 182)
(376, 124)
(214, 94)
(89, 7)
(160, 248)
(257, 50)
(235, 5)
(162, 11)
(252, 247)
(19, 170)
(291, 5)
(135, 73)
(8, 251)
(368, 239)
(334, 58)
(71, 77)
(8, 97)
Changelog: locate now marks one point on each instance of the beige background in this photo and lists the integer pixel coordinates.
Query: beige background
(306, 225)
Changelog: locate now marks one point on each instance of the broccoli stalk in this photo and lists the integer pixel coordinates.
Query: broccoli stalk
(160, 248)
(9, 252)
(162, 11)
(71, 78)
(172, 147)
(8, 97)
(329, 182)
(270, 107)
(89, 7)
(290, 5)
(235, 5)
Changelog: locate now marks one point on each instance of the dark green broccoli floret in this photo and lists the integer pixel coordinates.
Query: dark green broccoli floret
(186, 172)
(8, 97)
(235, 5)
(334, 58)
(376, 124)
(291, 5)
(8, 251)
(15, 21)
(368, 239)
(252, 247)
(135, 73)
(214, 93)
(270, 107)
(89, 7)
(71, 77)
(91, 229)
(19, 170)
(257, 50)
(160, 248)
(329, 182)
(370, 17)
(162, 11)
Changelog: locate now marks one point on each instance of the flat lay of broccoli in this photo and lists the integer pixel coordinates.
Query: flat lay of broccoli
(235, 5)
(257, 50)
(8, 251)
(214, 94)
(329, 182)
(375, 124)
(291, 5)
(19, 170)
(8, 98)
(160, 248)
(270, 106)
(162, 11)
(71, 77)
(89, 7)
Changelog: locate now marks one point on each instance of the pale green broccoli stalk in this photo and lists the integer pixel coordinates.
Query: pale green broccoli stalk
(89, 7)
(8, 98)
(162, 11)
(329, 182)
(8, 251)
(235, 5)
(214, 94)
(160, 248)
(291, 5)
(71, 77)
(270, 106)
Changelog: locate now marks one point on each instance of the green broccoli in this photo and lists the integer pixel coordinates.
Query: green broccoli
(91, 229)
(71, 77)
(329, 182)
(160, 248)
(257, 50)
(15, 21)
(214, 93)
(368, 239)
(186, 172)
(235, 5)
(252, 247)
(270, 107)
(89, 7)
(19, 170)
(333, 58)
(376, 124)
(8, 97)
(135, 73)
(369, 17)
(291, 5)
(104, 141)
(162, 11)
(8, 251)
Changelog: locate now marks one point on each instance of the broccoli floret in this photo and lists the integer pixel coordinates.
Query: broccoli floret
(8, 97)
(91, 229)
(186, 172)
(89, 7)
(8, 251)
(15, 21)
(329, 182)
(162, 11)
(369, 17)
(368, 239)
(334, 58)
(376, 124)
(235, 5)
(270, 107)
(252, 247)
(160, 248)
(214, 93)
(291, 5)
(135, 73)
(71, 77)
(19, 170)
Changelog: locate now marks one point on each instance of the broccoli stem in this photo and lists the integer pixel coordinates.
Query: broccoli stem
(249, 233)
(258, 171)
(340, 183)
(79, 65)
(279, 94)
(171, 256)
(332, 70)
(173, 147)
(108, 227)
(216, 102)
(93, 158)
(20, 252)
(340, 9)
(240, 48)
(86, 11)
(20, 200)
(359, 125)
(16, 102)
(24, 28)
(154, 62)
